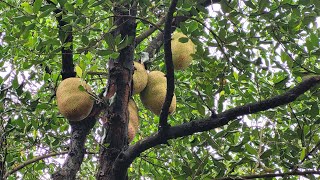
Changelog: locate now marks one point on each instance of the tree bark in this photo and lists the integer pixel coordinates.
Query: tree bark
(119, 90)
(79, 132)
(66, 37)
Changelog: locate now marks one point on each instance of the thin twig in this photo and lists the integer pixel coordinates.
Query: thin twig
(270, 175)
(148, 32)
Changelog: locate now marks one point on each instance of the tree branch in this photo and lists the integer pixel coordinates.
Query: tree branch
(97, 73)
(66, 38)
(79, 132)
(155, 26)
(270, 175)
(157, 42)
(163, 123)
(313, 150)
(148, 32)
(213, 122)
(154, 45)
(26, 163)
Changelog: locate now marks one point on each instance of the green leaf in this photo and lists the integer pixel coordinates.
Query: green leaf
(114, 55)
(85, 39)
(78, 71)
(201, 109)
(110, 40)
(236, 148)
(36, 6)
(316, 52)
(106, 52)
(314, 111)
(187, 170)
(47, 12)
(81, 88)
(235, 75)
(285, 57)
(267, 154)
(62, 2)
(250, 149)
(192, 26)
(20, 122)
(24, 18)
(281, 81)
(15, 83)
(250, 4)
(27, 7)
(29, 27)
(304, 2)
(69, 7)
(97, 3)
(263, 4)
(303, 153)
(183, 40)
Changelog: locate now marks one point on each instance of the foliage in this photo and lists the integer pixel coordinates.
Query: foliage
(247, 51)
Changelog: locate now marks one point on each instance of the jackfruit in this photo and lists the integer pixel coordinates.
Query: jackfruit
(153, 96)
(156, 77)
(140, 78)
(73, 103)
(131, 132)
(133, 113)
(181, 52)
(133, 124)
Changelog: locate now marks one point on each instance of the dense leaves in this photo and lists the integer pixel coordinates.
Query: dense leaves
(247, 51)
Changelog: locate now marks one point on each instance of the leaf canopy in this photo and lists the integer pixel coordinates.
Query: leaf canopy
(247, 51)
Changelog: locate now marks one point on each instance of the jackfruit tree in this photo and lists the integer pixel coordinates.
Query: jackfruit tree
(160, 89)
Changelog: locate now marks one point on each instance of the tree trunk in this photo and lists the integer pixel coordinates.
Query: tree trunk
(119, 91)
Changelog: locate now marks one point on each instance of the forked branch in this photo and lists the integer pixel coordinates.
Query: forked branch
(221, 119)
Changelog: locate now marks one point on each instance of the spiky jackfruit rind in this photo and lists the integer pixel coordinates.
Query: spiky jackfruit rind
(140, 78)
(156, 77)
(181, 52)
(73, 100)
(153, 96)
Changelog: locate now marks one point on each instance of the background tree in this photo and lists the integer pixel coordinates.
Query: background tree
(243, 110)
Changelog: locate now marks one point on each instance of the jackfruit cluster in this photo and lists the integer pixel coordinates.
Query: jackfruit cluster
(154, 94)
(74, 101)
(76, 104)
(181, 52)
